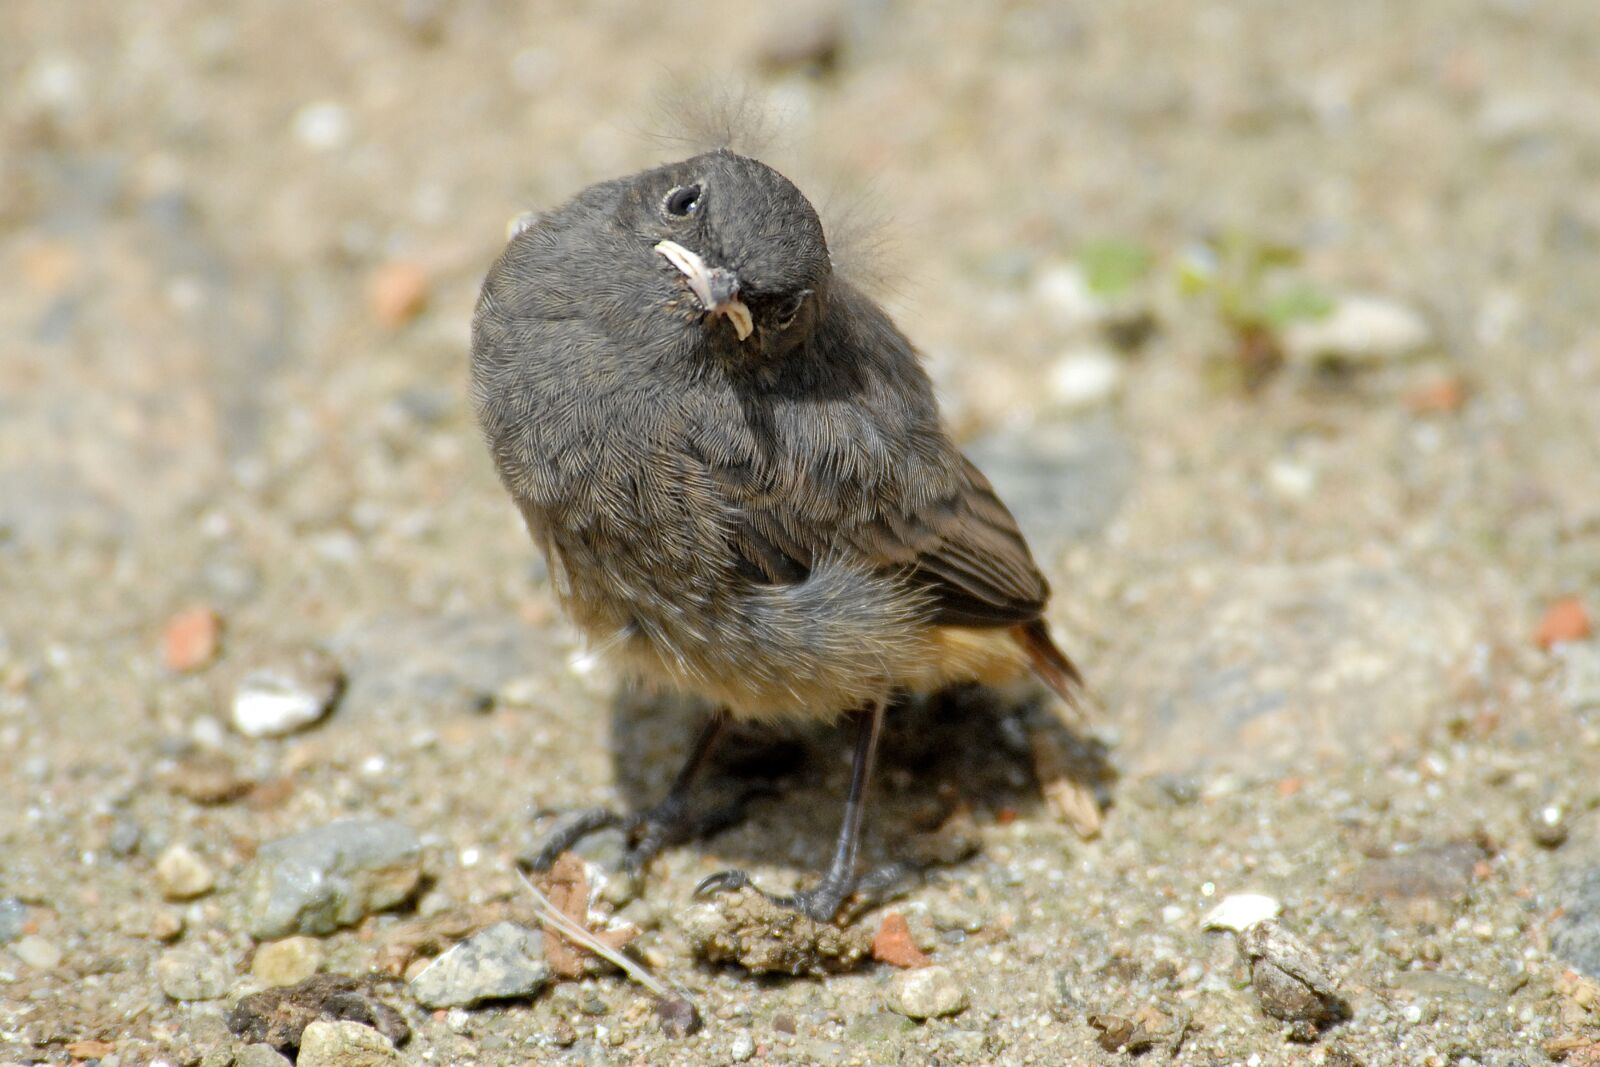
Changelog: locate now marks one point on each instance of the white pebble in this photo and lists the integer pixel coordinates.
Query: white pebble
(1064, 292)
(1086, 378)
(743, 1047)
(284, 697)
(1360, 329)
(324, 125)
(1240, 911)
(57, 82)
(263, 711)
(1292, 480)
(38, 953)
(182, 875)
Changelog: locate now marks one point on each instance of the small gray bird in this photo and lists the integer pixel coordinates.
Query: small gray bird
(736, 469)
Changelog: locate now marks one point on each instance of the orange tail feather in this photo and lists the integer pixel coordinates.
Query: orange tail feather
(1050, 663)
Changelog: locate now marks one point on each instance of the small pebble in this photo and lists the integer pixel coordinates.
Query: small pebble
(1548, 826)
(124, 839)
(1564, 620)
(207, 776)
(323, 125)
(1063, 291)
(1086, 379)
(743, 1047)
(1438, 396)
(1240, 911)
(193, 973)
(926, 993)
(37, 953)
(498, 963)
(182, 875)
(396, 293)
(287, 962)
(677, 1017)
(191, 639)
(1118, 1033)
(279, 698)
(165, 925)
(259, 1055)
(894, 944)
(345, 1044)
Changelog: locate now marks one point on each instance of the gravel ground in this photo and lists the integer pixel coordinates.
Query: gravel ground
(1274, 321)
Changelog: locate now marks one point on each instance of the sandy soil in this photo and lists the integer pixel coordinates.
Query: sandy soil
(241, 245)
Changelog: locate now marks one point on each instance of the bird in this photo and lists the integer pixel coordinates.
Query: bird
(737, 471)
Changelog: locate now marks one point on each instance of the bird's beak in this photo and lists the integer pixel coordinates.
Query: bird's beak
(716, 288)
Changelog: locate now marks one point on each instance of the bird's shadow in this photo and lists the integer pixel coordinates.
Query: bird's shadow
(966, 748)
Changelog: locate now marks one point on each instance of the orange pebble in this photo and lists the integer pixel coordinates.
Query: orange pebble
(1564, 620)
(191, 639)
(893, 944)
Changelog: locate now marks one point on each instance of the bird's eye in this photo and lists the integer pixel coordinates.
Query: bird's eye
(682, 201)
(789, 308)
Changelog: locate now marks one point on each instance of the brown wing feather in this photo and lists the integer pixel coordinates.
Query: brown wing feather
(964, 550)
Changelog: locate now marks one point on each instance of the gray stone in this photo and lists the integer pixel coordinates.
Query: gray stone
(345, 1044)
(1289, 979)
(13, 917)
(926, 993)
(193, 974)
(318, 880)
(503, 961)
(259, 1056)
(1283, 666)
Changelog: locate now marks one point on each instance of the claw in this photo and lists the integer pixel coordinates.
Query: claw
(721, 882)
(574, 829)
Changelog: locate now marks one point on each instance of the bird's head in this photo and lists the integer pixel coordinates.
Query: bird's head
(739, 247)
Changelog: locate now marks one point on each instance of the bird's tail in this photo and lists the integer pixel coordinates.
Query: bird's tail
(1051, 664)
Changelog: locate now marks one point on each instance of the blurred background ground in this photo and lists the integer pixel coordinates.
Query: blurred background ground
(1275, 323)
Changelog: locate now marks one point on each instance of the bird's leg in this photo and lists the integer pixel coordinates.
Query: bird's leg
(822, 901)
(667, 822)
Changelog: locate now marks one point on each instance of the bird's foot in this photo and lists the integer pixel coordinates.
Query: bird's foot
(670, 822)
(822, 901)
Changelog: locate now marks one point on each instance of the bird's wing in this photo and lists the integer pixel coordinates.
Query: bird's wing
(963, 548)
